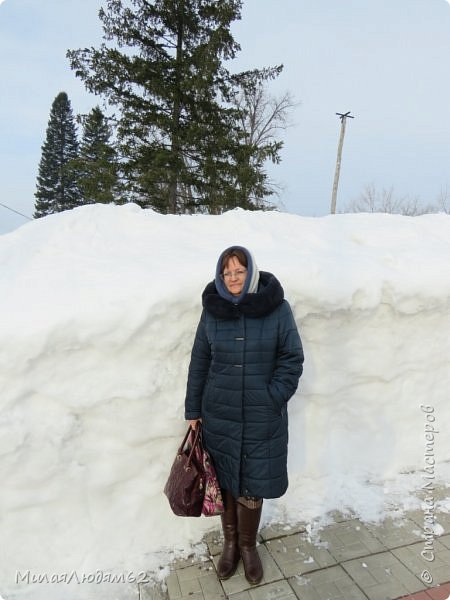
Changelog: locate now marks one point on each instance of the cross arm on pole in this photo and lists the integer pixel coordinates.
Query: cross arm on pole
(346, 115)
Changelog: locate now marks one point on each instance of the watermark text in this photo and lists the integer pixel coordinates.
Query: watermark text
(429, 475)
(97, 577)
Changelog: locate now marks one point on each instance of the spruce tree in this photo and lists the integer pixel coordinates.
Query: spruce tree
(178, 130)
(97, 164)
(57, 188)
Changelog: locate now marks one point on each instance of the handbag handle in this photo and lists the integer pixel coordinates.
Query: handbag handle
(194, 444)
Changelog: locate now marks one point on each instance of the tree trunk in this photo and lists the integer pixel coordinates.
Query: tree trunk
(175, 141)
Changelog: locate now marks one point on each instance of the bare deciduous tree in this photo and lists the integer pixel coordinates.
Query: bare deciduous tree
(262, 117)
(443, 202)
(371, 200)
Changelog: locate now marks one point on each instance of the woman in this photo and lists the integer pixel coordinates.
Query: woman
(246, 361)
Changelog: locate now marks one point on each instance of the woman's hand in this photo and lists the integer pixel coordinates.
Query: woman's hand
(194, 422)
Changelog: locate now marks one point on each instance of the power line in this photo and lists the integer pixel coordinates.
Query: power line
(16, 211)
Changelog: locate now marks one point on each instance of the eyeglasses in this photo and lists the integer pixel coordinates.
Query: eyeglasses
(234, 274)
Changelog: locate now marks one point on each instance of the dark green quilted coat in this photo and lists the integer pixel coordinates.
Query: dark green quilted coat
(245, 365)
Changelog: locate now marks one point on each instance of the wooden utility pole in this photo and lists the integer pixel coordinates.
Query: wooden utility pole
(343, 118)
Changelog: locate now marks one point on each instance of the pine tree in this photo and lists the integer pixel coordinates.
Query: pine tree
(178, 130)
(57, 188)
(97, 164)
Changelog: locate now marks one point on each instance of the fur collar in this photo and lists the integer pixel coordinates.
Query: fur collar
(270, 294)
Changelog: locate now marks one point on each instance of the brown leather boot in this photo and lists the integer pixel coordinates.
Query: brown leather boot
(248, 523)
(229, 558)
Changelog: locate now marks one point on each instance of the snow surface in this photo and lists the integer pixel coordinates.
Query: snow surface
(98, 311)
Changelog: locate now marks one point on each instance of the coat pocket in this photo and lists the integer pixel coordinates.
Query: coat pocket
(206, 392)
(276, 403)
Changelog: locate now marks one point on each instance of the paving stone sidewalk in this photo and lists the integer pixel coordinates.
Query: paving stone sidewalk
(345, 560)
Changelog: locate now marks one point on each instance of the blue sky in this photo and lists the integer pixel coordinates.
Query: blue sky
(386, 61)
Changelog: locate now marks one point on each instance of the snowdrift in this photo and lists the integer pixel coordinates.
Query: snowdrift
(98, 312)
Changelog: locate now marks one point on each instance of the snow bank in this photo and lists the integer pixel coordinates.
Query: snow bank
(98, 311)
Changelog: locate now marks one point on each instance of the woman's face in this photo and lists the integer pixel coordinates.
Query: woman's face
(234, 276)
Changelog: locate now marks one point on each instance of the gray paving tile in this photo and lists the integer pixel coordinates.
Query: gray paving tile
(442, 518)
(211, 587)
(438, 568)
(382, 576)
(280, 530)
(279, 590)
(441, 492)
(190, 561)
(295, 555)
(327, 584)
(311, 568)
(190, 581)
(214, 542)
(152, 592)
(173, 586)
(393, 533)
(339, 517)
(418, 517)
(238, 583)
(349, 539)
(190, 587)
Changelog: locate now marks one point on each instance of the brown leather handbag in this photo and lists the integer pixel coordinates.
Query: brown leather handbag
(185, 486)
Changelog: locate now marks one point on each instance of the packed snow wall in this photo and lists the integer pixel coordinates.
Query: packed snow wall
(99, 308)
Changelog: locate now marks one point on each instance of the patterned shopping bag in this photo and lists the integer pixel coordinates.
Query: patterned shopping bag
(213, 501)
